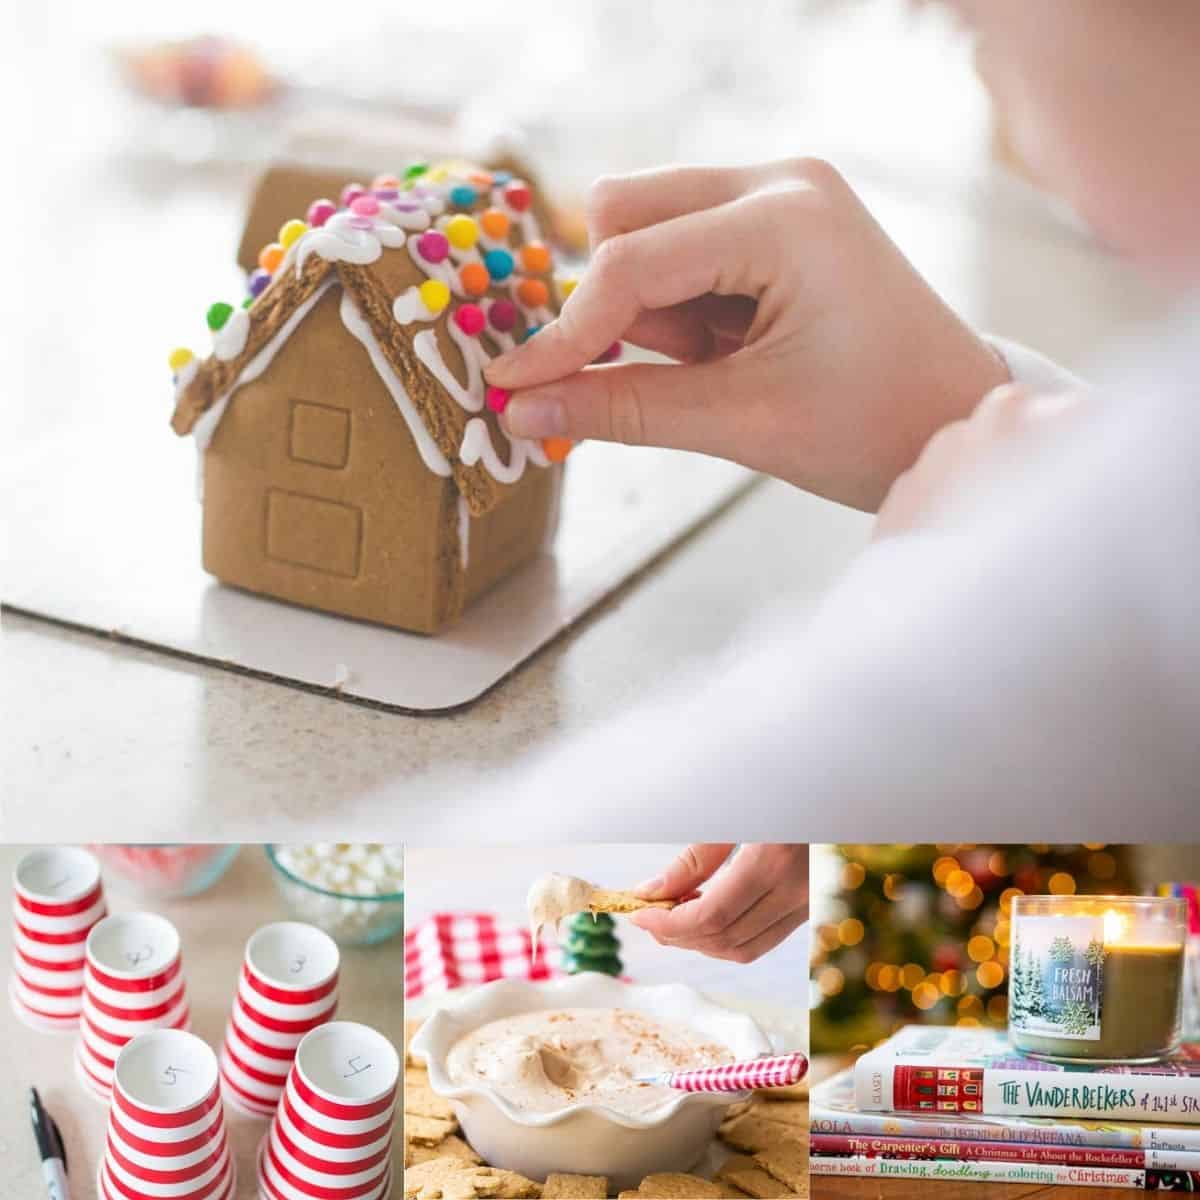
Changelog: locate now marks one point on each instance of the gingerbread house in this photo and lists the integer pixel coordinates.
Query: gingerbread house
(351, 456)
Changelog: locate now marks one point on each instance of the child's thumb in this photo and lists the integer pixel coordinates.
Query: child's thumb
(640, 404)
(686, 873)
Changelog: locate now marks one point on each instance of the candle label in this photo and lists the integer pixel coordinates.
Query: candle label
(1057, 984)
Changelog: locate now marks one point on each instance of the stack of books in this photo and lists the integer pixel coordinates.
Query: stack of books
(961, 1104)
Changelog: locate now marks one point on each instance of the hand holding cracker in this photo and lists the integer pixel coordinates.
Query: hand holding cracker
(753, 900)
(555, 896)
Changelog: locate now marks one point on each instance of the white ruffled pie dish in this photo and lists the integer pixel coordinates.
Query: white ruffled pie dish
(585, 1138)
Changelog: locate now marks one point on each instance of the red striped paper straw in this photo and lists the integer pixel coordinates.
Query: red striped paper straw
(781, 1071)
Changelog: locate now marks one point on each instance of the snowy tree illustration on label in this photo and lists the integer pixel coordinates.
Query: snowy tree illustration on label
(1057, 982)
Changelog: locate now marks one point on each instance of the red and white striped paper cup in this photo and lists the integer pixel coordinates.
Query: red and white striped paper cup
(331, 1136)
(166, 1129)
(132, 983)
(57, 899)
(287, 987)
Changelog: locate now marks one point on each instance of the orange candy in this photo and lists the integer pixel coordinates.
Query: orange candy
(556, 449)
(481, 179)
(494, 222)
(533, 293)
(270, 256)
(475, 278)
(535, 257)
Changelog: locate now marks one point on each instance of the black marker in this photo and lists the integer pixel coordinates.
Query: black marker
(50, 1148)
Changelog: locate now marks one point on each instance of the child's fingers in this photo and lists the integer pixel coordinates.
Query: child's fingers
(622, 203)
(695, 330)
(731, 250)
(639, 404)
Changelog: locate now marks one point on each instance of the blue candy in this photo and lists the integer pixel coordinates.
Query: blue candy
(499, 263)
(463, 196)
(500, 178)
(530, 332)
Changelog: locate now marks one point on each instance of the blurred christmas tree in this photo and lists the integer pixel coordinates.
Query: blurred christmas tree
(921, 932)
(591, 945)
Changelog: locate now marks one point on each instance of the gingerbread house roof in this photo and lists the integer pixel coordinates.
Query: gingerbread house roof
(439, 270)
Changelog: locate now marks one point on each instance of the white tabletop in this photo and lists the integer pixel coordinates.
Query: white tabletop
(180, 749)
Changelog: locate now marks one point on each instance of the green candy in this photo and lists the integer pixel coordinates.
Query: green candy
(218, 314)
(415, 169)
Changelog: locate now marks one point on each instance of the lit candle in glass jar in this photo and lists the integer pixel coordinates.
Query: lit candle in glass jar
(1096, 979)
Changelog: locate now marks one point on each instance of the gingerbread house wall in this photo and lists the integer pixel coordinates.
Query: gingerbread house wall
(314, 491)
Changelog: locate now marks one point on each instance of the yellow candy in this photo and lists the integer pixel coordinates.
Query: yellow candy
(179, 358)
(291, 231)
(461, 231)
(566, 285)
(435, 295)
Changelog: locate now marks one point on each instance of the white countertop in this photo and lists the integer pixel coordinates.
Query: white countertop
(112, 741)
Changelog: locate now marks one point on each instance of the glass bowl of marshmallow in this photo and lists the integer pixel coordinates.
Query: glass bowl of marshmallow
(354, 891)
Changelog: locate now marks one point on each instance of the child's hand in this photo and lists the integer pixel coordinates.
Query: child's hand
(755, 902)
(957, 454)
(811, 349)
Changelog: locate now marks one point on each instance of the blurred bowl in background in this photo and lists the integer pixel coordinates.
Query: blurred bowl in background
(164, 871)
(353, 891)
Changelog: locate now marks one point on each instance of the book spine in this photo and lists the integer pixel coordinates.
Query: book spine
(901, 1147)
(936, 1090)
(1001, 1130)
(1047, 1174)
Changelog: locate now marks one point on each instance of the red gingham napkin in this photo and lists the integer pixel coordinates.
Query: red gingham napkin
(448, 950)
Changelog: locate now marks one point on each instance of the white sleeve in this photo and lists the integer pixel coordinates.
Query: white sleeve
(1039, 373)
(1030, 669)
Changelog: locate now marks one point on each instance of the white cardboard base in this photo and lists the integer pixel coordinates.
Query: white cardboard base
(105, 535)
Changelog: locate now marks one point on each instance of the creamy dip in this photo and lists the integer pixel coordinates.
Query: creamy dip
(553, 897)
(544, 1061)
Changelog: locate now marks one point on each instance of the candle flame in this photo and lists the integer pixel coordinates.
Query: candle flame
(1114, 926)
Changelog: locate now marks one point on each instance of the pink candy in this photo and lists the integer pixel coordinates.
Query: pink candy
(497, 399)
(319, 211)
(433, 246)
(503, 315)
(351, 192)
(469, 318)
(364, 206)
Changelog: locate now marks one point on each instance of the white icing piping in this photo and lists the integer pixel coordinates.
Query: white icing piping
(474, 355)
(230, 340)
(464, 532)
(477, 446)
(409, 307)
(349, 237)
(426, 446)
(207, 424)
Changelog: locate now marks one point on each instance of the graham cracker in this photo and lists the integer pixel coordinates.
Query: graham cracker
(746, 1174)
(677, 1185)
(574, 1187)
(451, 1178)
(446, 1179)
(410, 1032)
(427, 1131)
(611, 901)
(730, 1190)
(751, 1133)
(788, 1162)
(786, 1112)
(793, 1091)
(451, 1146)
(420, 1100)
